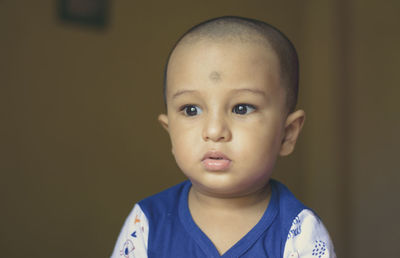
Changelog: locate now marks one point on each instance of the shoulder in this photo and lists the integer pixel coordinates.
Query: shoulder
(286, 197)
(164, 201)
(288, 205)
(303, 232)
(308, 237)
(132, 240)
(144, 219)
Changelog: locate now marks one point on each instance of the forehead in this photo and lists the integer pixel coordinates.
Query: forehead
(222, 65)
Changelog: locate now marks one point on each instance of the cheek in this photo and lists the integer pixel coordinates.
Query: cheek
(263, 142)
(182, 140)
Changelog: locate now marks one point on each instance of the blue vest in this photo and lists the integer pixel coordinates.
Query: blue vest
(174, 234)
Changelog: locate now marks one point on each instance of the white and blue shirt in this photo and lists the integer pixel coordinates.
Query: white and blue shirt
(162, 226)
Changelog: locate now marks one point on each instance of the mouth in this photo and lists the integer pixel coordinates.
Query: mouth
(216, 161)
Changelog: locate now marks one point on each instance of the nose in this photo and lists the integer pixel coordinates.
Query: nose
(216, 129)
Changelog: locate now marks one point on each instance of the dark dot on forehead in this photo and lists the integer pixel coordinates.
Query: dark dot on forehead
(215, 76)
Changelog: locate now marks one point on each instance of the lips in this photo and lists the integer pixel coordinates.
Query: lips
(215, 161)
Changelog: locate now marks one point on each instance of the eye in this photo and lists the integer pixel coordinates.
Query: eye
(243, 109)
(191, 110)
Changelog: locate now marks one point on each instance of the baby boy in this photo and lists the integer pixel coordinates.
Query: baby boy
(230, 89)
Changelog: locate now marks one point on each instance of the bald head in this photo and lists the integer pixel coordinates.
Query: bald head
(230, 28)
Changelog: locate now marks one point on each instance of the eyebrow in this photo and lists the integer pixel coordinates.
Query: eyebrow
(180, 92)
(253, 91)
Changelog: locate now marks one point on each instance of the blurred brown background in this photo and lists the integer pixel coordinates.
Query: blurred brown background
(80, 142)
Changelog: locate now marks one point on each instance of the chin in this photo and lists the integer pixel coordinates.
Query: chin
(220, 187)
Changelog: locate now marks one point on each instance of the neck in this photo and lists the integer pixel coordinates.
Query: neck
(258, 199)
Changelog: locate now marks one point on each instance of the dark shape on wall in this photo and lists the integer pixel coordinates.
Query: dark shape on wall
(86, 12)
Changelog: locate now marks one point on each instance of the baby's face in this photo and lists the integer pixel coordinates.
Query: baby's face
(226, 115)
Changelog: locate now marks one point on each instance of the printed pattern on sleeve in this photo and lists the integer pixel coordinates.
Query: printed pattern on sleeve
(132, 240)
(309, 238)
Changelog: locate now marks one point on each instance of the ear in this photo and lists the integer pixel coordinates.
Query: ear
(293, 125)
(163, 119)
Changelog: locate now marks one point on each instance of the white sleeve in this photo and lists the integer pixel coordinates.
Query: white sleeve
(308, 238)
(132, 240)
